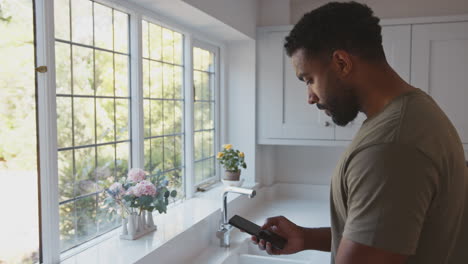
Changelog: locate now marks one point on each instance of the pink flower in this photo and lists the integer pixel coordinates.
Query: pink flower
(136, 175)
(117, 189)
(130, 191)
(144, 187)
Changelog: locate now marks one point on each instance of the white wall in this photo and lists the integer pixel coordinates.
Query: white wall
(241, 96)
(273, 12)
(239, 14)
(391, 8)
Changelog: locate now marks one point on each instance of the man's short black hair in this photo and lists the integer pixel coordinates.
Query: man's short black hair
(347, 26)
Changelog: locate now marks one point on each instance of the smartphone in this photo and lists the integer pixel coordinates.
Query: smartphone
(255, 230)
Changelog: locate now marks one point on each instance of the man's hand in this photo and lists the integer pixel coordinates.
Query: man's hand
(293, 233)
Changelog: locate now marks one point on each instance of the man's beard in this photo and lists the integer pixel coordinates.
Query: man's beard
(343, 108)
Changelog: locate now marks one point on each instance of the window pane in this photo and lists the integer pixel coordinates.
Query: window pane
(156, 154)
(121, 75)
(122, 160)
(178, 116)
(146, 78)
(107, 216)
(155, 41)
(67, 225)
(105, 120)
(85, 164)
(104, 67)
(121, 38)
(105, 165)
(102, 26)
(65, 174)
(122, 108)
(82, 21)
(168, 45)
(178, 81)
(198, 145)
(179, 151)
(86, 227)
(198, 171)
(178, 48)
(62, 19)
(145, 39)
(64, 122)
(168, 81)
(84, 126)
(62, 68)
(168, 112)
(83, 72)
(156, 78)
(197, 83)
(156, 117)
(146, 117)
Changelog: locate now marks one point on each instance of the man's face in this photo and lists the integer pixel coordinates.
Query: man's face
(325, 88)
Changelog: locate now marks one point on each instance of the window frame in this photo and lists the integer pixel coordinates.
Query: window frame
(47, 112)
(196, 43)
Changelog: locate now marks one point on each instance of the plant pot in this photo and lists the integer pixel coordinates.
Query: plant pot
(232, 175)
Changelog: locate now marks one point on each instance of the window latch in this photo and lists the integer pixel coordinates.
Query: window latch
(41, 69)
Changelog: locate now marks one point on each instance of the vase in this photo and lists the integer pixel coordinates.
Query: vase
(232, 175)
(132, 225)
(124, 227)
(149, 219)
(143, 220)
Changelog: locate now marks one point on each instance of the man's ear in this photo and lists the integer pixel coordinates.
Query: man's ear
(342, 62)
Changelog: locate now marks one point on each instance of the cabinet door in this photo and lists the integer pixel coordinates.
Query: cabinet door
(396, 41)
(439, 66)
(283, 105)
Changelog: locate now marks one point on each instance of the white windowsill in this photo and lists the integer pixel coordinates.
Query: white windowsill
(179, 218)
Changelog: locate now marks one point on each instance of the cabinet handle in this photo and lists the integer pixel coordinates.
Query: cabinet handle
(326, 124)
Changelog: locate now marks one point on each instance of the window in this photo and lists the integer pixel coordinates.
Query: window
(96, 81)
(204, 114)
(163, 100)
(19, 224)
(93, 102)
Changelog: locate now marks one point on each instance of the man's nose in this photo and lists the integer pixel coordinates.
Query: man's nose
(312, 99)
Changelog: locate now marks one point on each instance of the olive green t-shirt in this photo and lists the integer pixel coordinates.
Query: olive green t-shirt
(400, 185)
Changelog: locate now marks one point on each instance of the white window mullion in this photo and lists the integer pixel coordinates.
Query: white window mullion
(137, 123)
(47, 116)
(188, 84)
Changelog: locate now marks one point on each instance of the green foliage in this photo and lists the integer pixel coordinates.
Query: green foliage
(231, 159)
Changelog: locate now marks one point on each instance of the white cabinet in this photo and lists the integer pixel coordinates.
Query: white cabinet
(439, 65)
(284, 116)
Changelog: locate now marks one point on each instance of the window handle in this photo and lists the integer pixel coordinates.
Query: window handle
(41, 69)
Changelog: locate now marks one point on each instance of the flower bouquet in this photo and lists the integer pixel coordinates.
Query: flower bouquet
(138, 196)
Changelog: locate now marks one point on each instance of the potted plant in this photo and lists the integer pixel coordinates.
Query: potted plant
(232, 160)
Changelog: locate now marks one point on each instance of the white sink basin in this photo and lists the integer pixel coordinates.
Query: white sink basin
(249, 253)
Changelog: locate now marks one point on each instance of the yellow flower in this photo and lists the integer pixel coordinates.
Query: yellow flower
(227, 146)
(241, 154)
(220, 155)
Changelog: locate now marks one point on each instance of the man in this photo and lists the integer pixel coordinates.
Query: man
(398, 193)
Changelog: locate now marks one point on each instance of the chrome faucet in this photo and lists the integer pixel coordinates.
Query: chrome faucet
(225, 228)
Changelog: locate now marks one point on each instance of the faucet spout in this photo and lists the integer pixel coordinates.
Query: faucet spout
(225, 228)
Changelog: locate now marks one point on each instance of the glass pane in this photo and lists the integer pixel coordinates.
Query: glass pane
(205, 86)
(86, 227)
(83, 75)
(156, 154)
(175, 178)
(122, 160)
(197, 83)
(178, 48)
(104, 67)
(105, 166)
(169, 156)
(156, 118)
(168, 81)
(105, 120)
(145, 38)
(206, 60)
(197, 58)
(156, 78)
(168, 45)
(64, 122)
(121, 75)
(178, 81)
(121, 38)
(155, 42)
(198, 172)
(198, 115)
(208, 144)
(82, 21)
(85, 164)
(19, 224)
(178, 116)
(65, 175)
(146, 78)
(207, 116)
(146, 116)
(122, 111)
(67, 225)
(147, 153)
(83, 121)
(62, 19)
(107, 215)
(62, 68)
(102, 26)
(198, 144)
(179, 151)
(168, 112)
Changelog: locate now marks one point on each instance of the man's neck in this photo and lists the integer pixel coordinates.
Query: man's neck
(379, 87)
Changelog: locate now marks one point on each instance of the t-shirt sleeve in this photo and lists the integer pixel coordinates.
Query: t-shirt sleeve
(389, 188)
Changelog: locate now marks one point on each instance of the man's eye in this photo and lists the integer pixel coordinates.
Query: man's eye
(309, 82)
